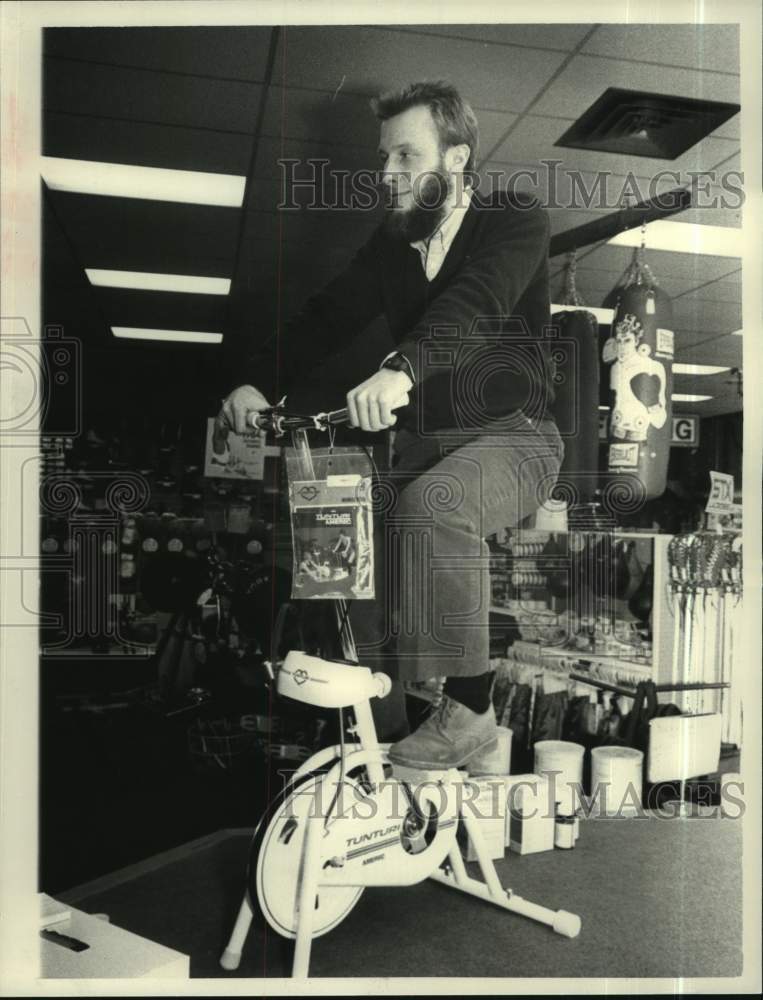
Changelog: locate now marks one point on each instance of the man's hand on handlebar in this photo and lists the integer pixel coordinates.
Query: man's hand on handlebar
(241, 402)
(370, 404)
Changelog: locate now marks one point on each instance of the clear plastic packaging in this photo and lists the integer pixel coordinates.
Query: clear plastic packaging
(332, 526)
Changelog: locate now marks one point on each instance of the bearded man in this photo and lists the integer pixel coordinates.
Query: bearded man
(462, 279)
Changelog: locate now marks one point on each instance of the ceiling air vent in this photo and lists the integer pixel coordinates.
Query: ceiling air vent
(640, 124)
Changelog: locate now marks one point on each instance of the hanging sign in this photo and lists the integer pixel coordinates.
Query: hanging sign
(234, 456)
(684, 431)
(721, 498)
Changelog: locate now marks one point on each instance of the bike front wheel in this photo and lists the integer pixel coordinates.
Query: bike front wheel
(276, 853)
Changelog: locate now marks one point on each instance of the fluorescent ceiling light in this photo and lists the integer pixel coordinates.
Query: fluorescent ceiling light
(158, 282)
(180, 336)
(602, 315)
(121, 180)
(684, 237)
(605, 408)
(680, 369)
(687, 397)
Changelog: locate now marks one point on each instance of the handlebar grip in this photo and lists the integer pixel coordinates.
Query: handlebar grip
(255, 419)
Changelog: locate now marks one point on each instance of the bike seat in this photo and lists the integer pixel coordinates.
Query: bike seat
(328, 683)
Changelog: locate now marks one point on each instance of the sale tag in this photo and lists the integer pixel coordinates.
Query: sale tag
(721, 498)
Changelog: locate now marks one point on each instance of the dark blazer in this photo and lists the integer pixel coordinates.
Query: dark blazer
(475, 335)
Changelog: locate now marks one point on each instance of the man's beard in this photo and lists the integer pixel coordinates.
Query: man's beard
(426, 214)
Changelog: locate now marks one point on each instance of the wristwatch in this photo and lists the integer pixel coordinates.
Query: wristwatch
(398, 362)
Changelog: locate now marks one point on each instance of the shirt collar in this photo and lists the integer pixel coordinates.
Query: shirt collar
(445, 233)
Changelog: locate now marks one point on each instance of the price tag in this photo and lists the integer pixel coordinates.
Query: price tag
(721, 498)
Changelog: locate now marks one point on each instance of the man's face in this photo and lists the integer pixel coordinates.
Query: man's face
(414, 173)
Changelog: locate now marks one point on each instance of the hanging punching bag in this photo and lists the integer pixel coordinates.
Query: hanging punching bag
(576, 389)
(576, 407)
(637, 366)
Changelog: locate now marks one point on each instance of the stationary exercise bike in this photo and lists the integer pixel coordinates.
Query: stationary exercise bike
(348, 818)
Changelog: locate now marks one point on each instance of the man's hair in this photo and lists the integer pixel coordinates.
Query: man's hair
(455, 121)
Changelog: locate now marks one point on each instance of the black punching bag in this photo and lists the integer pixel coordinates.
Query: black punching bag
(637, 367)
(576, 406)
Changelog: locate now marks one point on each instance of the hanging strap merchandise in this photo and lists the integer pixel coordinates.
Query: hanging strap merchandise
(705, 585)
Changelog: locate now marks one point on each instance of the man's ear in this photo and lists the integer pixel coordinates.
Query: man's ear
(457, 157)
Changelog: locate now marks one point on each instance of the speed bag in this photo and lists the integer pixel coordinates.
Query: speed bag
(576, 404)
(637, 367)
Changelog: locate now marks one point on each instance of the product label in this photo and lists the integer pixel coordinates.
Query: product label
(332, 532)
(623, 456)
(664, 342)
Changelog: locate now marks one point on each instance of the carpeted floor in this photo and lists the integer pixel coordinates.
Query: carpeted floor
(657, 897)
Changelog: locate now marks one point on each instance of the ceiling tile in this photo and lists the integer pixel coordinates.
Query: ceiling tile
(347, 119)
(725, 290)
(301, 113)
(238, 52)
(708, 349)
(289, 172)
(311, 229)
(367, 61)
(697, 267)
(730, 129)
(163, 310)
(543, 36)
(702, 314)
(708, 214)
(110, 141)
(144, 95)
(697, 46)
(146, 235)
(586, 78)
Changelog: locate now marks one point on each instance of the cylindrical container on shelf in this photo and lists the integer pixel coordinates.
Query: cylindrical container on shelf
(564, 832)
(616, 780)
(562, 763)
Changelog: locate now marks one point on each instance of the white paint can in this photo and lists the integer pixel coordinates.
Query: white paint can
(562, 763)
(616, 780)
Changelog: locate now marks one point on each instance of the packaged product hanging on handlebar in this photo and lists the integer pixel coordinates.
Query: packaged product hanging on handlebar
(332, 525)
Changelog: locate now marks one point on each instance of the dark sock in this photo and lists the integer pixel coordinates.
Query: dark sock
(473, 692)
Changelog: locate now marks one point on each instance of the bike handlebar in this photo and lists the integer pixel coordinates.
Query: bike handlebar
(280, 421)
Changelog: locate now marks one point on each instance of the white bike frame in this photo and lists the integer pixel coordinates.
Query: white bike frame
(325, 858)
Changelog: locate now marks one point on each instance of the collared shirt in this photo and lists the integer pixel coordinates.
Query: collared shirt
(434, 250)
